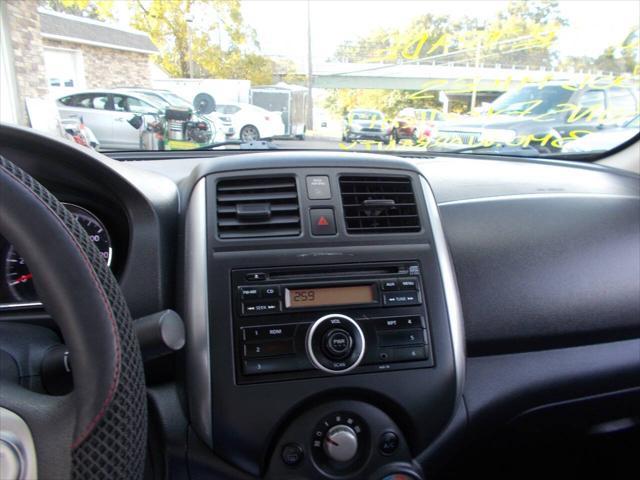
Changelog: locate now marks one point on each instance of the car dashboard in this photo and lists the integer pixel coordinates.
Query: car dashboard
(354, 315)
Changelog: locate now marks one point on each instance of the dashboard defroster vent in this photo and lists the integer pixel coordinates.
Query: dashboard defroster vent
(257, 207)
(379, 204)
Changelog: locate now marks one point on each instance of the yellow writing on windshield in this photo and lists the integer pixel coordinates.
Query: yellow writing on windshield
(423, 45)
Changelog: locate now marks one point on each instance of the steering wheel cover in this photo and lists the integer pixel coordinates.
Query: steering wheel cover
(84, 298)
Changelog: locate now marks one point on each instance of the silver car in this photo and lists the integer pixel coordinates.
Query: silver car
(107, 114)
(223, 130)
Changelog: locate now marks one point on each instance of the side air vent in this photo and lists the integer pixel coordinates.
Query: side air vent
(379, 204)
(258, 207)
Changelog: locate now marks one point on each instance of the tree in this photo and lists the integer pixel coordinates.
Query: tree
(95, 9)
(536, 23)
(209, 34)
(621, 59)
(521, 34)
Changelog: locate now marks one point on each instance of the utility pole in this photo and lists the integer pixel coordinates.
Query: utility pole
(189, 18)
(309, 71)
(474, 92)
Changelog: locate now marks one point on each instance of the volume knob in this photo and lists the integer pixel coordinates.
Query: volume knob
(341, 443)
(335, 344)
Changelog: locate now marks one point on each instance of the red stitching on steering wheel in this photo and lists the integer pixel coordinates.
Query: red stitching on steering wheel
(114, 381)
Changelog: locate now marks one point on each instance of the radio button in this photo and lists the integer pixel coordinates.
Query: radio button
(389, 285)
(274, 332)
(404, 298)
(268, 348)
(271, 365)
(408, 284)
(270, 292)
(401, 337)
(255, 277)
(318, 187)
(260, 308)
(249, 292)
(408, 354)
(398, 323)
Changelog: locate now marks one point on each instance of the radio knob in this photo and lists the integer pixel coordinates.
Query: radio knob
(335, 344)
(341, 443)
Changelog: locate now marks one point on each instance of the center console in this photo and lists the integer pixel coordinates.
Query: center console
(323, 324)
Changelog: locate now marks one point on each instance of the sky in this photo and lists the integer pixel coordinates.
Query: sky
(281, 25)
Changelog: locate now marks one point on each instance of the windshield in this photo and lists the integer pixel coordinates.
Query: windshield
(365, 115)
(528, 78)
(531, 100)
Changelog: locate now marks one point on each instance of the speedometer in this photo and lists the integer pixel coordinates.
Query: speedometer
(18, 276)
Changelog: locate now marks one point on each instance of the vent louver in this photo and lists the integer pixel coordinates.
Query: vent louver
(258, 207)
(377, 204)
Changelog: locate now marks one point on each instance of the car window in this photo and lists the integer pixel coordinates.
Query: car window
(68, 100)
(593, 99)
(531, 100)
(119, 103)
(100, 102)
(136, 105)
(622, 104)
(365, 115)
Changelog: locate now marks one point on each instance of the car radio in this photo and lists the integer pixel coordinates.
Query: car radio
(299, 322)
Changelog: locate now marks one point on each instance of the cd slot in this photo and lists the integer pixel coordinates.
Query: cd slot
(328, 272)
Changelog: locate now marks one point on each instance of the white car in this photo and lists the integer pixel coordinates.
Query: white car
(107, 114)
(222, 129)
(251, 122)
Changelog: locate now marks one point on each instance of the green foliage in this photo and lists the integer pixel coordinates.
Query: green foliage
(95, 9)
(521, 34)
(208, 34)
(619, 59)
(201, 40)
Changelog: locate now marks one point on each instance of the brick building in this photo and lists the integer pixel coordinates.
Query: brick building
(47, 54)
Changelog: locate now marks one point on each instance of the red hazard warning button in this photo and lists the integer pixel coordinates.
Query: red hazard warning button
(322, 221)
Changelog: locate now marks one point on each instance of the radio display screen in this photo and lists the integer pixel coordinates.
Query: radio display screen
(329, 296)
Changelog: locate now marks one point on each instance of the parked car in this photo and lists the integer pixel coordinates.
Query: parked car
(547, 115)
(365, 124)
(602, 141)
(223, 130)
(251, 122)
(416, 123)
(124, 120)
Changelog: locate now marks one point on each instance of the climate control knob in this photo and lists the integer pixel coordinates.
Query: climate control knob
(335, 343)
(341, 443)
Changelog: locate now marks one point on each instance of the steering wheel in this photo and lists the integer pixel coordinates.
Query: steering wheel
(99, 431)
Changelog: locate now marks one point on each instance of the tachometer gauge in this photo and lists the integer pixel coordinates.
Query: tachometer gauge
(19, 278)
(17, 273)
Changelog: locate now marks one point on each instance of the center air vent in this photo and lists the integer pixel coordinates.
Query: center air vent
(258, 207)
(379, 204)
